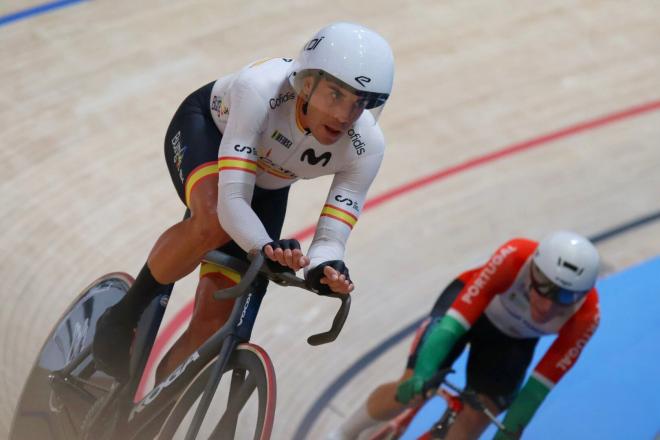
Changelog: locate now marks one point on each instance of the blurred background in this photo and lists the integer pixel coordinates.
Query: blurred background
(507, 118)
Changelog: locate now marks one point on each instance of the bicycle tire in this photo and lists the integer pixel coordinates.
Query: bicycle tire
(41, 411)
(247, 359)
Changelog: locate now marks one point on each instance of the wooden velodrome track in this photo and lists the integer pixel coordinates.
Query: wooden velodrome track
(87, 93)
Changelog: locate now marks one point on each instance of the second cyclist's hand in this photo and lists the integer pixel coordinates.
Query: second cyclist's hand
(409, 388)
(286, 253)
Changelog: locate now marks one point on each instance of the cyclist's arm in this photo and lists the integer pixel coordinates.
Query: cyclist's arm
(494, 277)
(560, 358)
(237, 167)
(342, 208)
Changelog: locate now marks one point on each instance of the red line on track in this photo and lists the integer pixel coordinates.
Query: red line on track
(183, 315)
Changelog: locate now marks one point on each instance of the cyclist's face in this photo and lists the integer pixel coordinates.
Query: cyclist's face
(543, 309)
(331, 110)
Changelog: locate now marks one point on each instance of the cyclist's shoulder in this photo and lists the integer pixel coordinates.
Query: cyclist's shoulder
(265, 77)
(364, 139)
(516, 250)
(590, 308)
(521, 245)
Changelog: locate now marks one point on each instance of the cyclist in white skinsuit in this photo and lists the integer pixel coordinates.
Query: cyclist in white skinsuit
(267, 116)
(233, 148)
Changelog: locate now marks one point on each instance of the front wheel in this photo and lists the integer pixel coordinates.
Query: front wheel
(243, 407)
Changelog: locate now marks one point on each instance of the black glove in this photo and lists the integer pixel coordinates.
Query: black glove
(284, 244)
(313, 278)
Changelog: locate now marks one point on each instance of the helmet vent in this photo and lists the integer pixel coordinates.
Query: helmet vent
(573, 267)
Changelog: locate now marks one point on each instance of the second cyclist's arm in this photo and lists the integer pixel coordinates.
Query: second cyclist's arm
(482, 286)
(560, 358)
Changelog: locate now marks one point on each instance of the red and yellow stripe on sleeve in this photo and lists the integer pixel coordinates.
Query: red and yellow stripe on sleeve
(339, 214)
(237, 163)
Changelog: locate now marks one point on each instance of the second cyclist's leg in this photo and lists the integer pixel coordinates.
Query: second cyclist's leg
(471, 422)
(496, 367)
(380, 406)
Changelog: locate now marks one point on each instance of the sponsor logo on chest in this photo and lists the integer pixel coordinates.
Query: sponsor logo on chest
(311, 157)
(279, 137)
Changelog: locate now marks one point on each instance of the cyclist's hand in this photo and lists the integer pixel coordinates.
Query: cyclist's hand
(285, 255)
(330, 277)
(409, 389)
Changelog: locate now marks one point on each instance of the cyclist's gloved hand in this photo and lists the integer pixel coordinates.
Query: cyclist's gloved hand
(284, 256)
(329, 277)
(409, 389)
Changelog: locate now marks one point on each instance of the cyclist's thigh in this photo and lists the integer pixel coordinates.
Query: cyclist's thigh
(497, 362)
(191, 145)
(442, 304)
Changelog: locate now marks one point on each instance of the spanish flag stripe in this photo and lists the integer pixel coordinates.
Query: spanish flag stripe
(235, 163)
(350, 225)
(235, 158)
(342, 211)
(210, 269)
(205, 170)
(273, 172)
(339, 214)
(238, 169)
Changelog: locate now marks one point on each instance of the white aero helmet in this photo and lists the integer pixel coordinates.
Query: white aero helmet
(357, 57)
(567, 260)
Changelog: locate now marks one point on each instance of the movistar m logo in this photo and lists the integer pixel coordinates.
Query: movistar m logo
(310, 156)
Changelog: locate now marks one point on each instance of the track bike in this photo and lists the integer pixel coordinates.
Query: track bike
(456, 399)
(66, 397)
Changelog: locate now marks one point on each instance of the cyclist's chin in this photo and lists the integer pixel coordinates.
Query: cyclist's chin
(326, 135)
(541, 316)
